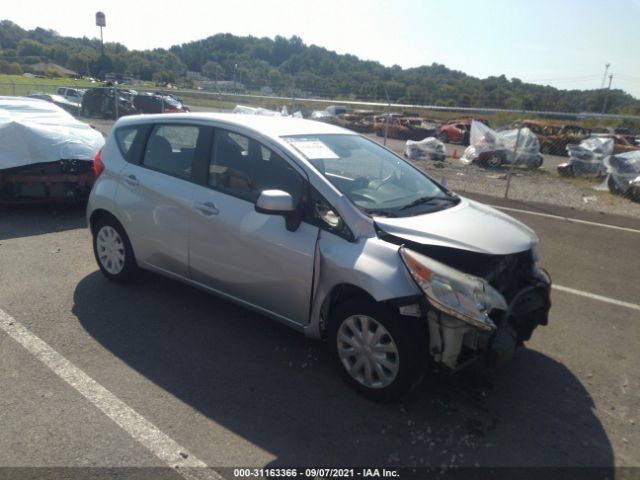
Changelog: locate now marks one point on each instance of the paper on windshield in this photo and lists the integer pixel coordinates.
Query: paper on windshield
(313, 149)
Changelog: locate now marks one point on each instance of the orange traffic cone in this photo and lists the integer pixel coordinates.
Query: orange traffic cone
(454, 155)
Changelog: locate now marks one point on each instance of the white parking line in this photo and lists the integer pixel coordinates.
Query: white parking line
(569, 219)
(151, 437)
(600, 298)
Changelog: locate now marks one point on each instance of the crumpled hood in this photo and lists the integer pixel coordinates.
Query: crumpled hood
(468, 226)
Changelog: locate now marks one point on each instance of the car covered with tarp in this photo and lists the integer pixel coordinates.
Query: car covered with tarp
(492, 149)
(587, 158)
(430, 148)
(45, 153)
(624, 174)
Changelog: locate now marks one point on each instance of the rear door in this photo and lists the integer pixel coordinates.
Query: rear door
(247, 255)
(154, 196)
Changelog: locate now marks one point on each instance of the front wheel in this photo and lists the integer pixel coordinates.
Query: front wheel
(382, 355)
(613, 186)
(113, 251)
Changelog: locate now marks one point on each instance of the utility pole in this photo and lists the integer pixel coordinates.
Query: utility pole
(606, 96)
(604, 77)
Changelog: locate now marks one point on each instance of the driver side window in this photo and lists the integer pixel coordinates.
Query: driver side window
(243, 167)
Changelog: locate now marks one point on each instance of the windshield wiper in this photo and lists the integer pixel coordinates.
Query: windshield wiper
(381, 213)
(422, 200)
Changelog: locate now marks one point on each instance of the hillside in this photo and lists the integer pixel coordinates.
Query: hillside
(290, 66)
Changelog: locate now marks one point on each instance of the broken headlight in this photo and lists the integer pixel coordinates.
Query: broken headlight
(466, 297)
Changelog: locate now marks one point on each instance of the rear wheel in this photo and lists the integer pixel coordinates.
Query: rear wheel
(382, 355)
(444, 137)
(493, 161)
(113, 251)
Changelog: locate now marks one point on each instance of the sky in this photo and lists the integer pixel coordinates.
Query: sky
(564, 43)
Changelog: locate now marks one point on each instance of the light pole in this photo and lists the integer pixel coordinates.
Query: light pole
(606, 96)
(604, 77)
(101, 21)
(235, 69)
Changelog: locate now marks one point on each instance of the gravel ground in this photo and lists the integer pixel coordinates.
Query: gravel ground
(540, 186)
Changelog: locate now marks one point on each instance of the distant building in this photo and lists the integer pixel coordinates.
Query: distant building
(43, 68)
(223, 86)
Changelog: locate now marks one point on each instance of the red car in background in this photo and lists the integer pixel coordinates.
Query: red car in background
(457, 131)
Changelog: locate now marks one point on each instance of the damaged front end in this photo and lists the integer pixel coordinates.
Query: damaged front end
(477, 305)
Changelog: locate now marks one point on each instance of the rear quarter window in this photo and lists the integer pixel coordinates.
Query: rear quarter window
(128, 139)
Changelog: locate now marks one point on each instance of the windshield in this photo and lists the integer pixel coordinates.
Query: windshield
(374, 179)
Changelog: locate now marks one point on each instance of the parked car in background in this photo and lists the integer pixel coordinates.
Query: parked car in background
(336, 110)
(588, 158)
(358, 121)
(72, 94)
(153, 103)
(621, 143)
(100, 102)
(404, 127)
(324, 230)
(176, 99)
(554, 138)
(492, 149)
(45, 153)
(457, 131)
(72, 107)
(624, 174)
(322, 116)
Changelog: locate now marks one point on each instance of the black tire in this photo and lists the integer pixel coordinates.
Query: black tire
(402, 333)
(535, 162)
(117, 273)
(493, 161)
(546, 148)
(613, 186)
(565, 171)
(444, 137)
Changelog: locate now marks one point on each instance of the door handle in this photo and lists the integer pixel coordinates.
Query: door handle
(132, 180)
(207, 208)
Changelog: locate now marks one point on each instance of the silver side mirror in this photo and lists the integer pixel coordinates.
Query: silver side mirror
(278, 202)
(275, 202)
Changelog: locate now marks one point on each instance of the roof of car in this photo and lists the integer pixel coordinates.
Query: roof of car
(267, 125)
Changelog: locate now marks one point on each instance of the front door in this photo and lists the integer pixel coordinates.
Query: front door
(242, 253)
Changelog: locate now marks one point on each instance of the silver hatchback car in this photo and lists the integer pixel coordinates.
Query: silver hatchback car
(323, 230)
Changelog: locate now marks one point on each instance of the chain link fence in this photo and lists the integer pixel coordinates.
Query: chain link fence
(537, 156)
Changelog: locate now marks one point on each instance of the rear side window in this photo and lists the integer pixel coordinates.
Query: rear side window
(171, 149)
(126, 139)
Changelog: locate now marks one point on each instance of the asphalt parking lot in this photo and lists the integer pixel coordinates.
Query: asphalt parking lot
(226, 387)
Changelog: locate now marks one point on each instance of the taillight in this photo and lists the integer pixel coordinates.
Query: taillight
(98, 166)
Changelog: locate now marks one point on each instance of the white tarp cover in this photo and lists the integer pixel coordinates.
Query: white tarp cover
(627, 170)
(484, 139)
(256, 111)
(587, 158)
(424, 148)
(36, 131)
(266, 112)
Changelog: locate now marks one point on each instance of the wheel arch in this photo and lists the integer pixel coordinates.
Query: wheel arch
(97, 215)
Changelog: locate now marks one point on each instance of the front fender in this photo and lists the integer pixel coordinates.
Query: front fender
(369, 264)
